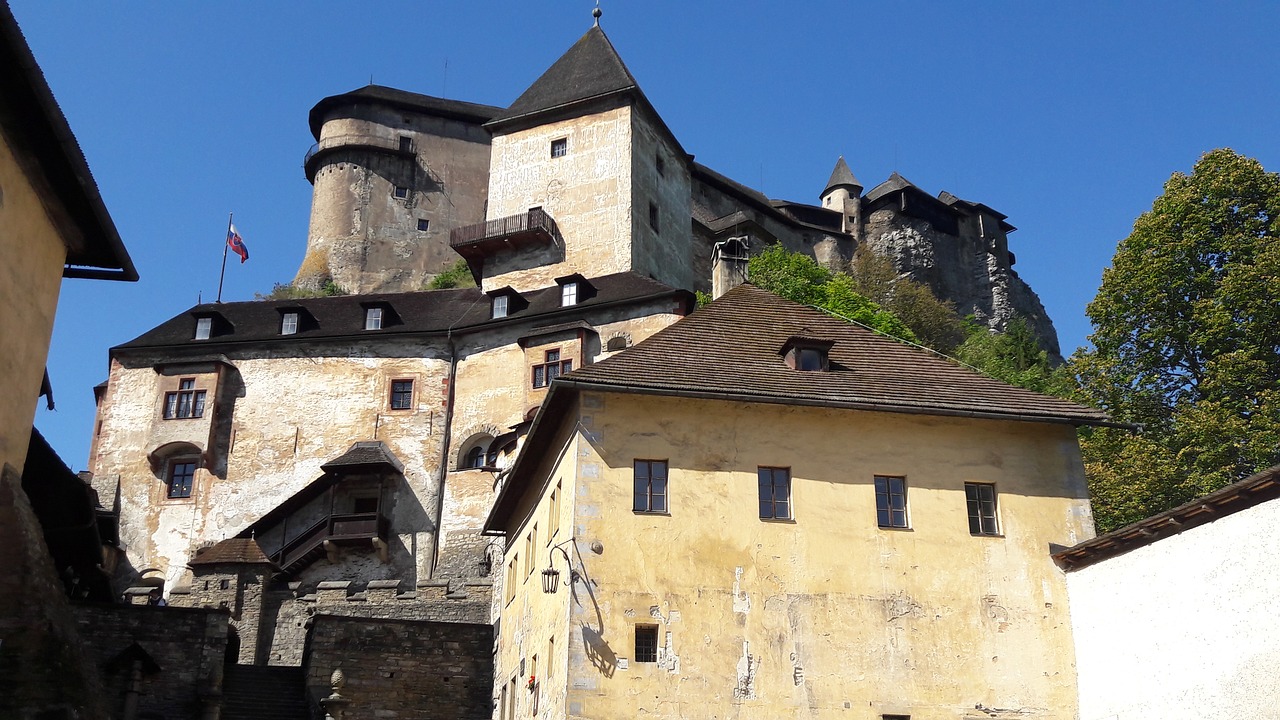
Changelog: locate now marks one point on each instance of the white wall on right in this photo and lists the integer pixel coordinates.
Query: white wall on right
(1186, 627)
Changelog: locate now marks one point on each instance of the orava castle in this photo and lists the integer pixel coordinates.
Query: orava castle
(567, 492)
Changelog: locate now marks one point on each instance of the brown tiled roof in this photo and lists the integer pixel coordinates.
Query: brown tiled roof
(231, 550)
(731, 348)
(1231, 499)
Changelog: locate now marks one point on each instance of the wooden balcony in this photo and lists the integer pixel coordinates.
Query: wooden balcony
(346, 529)
(535, 227)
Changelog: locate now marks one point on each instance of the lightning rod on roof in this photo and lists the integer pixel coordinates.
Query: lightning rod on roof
(597, 13)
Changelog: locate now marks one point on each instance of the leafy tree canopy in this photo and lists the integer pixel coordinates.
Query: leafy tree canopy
(800, 278)
(1187, 343)
(1014, 356)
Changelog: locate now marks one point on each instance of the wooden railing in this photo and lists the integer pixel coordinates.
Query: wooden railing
(535, 221)
(352, 526)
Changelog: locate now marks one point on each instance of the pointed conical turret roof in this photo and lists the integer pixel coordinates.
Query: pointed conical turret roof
(841, 176)
(591, 69)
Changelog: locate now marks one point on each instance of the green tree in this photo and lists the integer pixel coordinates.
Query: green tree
(800, 278)
(457, 275)
(935, 322)
(1014, 356)
(1186, 343)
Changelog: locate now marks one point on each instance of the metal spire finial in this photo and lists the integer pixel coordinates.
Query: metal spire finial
(597, 13)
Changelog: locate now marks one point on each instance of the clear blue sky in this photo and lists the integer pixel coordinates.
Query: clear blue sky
(1066, 117)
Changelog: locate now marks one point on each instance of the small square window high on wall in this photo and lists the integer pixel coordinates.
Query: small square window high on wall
(401, 192)
(560, 147)
(401, 394)
(423, 224)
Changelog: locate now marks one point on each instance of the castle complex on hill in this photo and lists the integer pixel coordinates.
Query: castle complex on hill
(340, 456)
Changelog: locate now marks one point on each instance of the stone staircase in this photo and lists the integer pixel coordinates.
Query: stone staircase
(260, 692)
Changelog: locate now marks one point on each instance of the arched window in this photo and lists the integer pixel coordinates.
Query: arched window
(475, 457)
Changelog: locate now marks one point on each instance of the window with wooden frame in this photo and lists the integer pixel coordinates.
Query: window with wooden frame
(552, 368)
(501, 303)
(187, 402)
(649, 486)
(568, 294)
(891, 501)
(646, 644)
(775, 493)
(530, 548)
(180, 478)
(981, 501)
(402, 394)
(553, 513)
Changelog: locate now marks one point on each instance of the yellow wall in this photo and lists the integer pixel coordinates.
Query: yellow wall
(30, 277)
(827, 615)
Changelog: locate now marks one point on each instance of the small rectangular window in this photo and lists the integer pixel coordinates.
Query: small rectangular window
(895, 717)
(406, 143)
(401, 192)
(559, 148)
(662, 165)
(891, 502)
(186, 403)
(553, 368)
(423, 224)
(499, 306)
(511, 576)
(775, 493)
(650, 486)
(530, 548)
(373, 318)
(401, 394)
(569, 294)
(981, 501)
(646, 643)
(653, 217)
(553, 514)
(181, 478)
(289, 323)
(204, 327)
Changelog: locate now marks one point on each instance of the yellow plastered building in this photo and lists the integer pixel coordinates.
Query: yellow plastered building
(765, 512)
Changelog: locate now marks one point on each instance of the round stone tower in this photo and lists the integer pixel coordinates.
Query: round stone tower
(393, 172)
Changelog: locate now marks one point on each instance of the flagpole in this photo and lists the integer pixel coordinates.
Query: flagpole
(223, 273)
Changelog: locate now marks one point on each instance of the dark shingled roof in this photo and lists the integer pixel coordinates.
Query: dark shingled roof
(841, 176)
(590, 69)
(365, 455)
(342, 317)
(731, 348)
(231, 550)
(37, 131)
(381, 95)
(895, 183)
(1247, 493)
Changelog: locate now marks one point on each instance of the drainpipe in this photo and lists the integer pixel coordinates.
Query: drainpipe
(444, 452)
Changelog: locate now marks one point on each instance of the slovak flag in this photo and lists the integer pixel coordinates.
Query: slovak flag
(237, 244)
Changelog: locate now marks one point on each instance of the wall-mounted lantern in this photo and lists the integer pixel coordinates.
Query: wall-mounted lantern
(551, 576)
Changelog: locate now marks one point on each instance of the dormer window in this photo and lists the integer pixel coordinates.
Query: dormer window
(568, 294)
(807, 354)
(500, 305)
(289, 323)
(204, 327)
(373, 318)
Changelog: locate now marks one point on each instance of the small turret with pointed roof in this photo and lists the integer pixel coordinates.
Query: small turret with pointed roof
(842, 176)
(843, 194)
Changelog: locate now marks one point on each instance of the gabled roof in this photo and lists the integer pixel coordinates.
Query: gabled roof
(36, 129)
(231, 550)
(841, 176)
(895, 183)
(731, 347)
(1252, 491)
(365, 455)
(590, 69)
